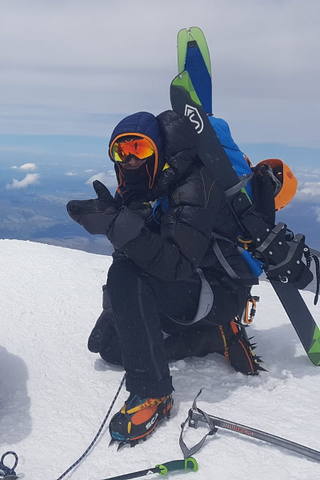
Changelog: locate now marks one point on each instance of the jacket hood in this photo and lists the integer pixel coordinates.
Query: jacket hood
(145, 124)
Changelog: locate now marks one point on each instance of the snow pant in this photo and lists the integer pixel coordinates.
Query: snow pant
(138, 308)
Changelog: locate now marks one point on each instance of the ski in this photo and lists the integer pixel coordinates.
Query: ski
(196, 415)
(184, 100)
(301, 318)
(193, 34)
(194, 56)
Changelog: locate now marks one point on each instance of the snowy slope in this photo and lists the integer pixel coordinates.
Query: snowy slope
(54, 393)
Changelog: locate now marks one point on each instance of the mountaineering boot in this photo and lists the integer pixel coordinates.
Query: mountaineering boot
(194, 342)
(100, 333)
(238, 350)
(138, 418)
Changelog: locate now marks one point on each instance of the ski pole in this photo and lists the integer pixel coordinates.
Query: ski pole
(162, 469)
(196, 416)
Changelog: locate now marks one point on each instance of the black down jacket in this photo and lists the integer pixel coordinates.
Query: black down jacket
(177, 239)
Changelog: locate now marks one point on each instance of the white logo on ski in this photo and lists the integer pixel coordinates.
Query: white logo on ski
(194, 116)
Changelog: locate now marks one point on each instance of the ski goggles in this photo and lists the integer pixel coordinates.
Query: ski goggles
(141, 148)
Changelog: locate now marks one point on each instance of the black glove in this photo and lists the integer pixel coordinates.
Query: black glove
(96, 215)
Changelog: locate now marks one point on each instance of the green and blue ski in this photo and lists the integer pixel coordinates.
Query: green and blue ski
(194, 56)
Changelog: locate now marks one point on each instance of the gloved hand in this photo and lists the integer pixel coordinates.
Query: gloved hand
(95, 215)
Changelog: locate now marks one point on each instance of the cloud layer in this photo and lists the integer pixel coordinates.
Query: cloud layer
(70, 67)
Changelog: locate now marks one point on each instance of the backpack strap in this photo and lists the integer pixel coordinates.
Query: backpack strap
(226, 265)
(206, 300)
(223, 261)
(241, 184)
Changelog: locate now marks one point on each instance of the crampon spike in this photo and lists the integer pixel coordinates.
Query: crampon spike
(120, 445)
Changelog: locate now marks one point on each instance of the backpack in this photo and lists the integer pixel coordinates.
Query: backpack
(270, 186)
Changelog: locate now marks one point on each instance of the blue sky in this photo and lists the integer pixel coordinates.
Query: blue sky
(71, 69)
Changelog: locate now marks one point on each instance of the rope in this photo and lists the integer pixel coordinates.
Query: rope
(98, 433)
(4, 469)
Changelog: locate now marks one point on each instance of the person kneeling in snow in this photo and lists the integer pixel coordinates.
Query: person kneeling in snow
(165, 276)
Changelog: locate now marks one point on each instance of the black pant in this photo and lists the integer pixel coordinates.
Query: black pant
(142, 307)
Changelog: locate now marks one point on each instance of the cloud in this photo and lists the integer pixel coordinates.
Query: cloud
(307, 174)
(71, 174)
(108, 179)
(25, 166)
(309, 192)
(28, 166)
(30, 179)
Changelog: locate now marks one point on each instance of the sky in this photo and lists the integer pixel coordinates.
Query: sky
(54, 393)
(74, 67)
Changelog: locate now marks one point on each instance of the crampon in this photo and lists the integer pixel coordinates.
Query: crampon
(138, 418)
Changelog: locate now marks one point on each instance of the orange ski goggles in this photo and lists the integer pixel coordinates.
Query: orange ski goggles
(141, 148)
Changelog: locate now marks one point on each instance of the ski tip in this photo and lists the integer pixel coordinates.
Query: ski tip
(315, 359)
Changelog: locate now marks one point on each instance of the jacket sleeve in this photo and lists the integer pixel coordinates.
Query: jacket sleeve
(185, 230)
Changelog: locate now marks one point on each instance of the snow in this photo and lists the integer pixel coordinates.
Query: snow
(54, 393)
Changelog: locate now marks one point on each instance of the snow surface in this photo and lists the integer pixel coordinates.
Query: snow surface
(54, 393)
